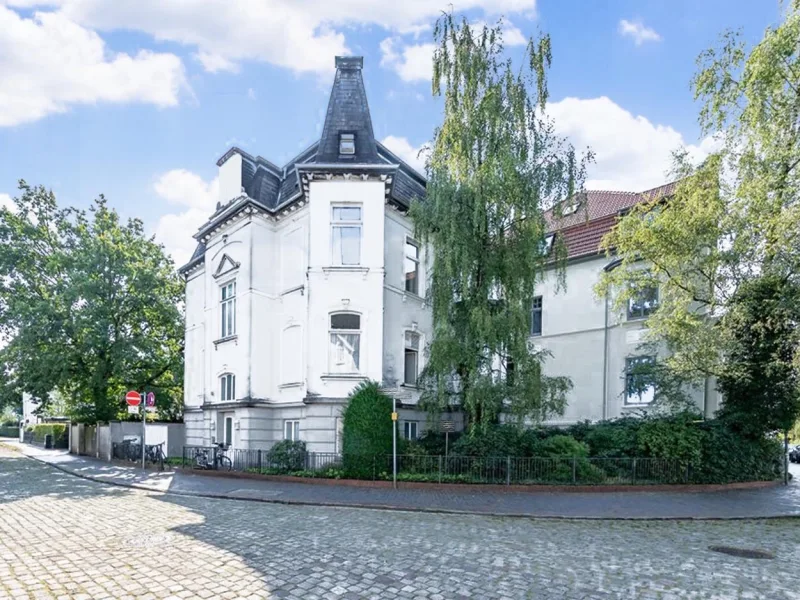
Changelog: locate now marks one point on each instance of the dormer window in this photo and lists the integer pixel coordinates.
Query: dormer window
(548, 243)
(347, 143)
(571, 208)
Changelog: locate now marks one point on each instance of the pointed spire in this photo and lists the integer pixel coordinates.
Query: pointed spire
(348, 114)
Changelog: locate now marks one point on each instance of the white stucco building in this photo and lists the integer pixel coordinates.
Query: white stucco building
(590, 342)
(306, 281)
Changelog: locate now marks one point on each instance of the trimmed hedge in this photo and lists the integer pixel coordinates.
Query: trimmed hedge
(287, 455)
(709, 451)
(366, 430)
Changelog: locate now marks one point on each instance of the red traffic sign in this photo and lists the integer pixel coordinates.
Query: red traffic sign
(150, 400)
(133, 398)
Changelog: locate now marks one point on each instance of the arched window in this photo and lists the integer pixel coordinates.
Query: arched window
(227, 387)
(344, 353)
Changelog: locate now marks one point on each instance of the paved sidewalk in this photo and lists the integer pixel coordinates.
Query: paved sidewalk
(779, 501)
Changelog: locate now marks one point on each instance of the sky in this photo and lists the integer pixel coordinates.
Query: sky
(137, 99)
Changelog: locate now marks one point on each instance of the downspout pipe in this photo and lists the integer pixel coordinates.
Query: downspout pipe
(608, 268)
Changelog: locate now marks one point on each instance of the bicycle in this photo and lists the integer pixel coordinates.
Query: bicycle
(220, 462)
(155, 454)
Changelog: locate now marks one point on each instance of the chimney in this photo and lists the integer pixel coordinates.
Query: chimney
(349, 63)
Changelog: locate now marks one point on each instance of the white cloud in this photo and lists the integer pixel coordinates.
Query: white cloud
(638, 31)
(297, 34)
(251, 94)
(197, 198)
(414, 156)
(5, 200)
(414, 62)
(49, 63)
(631, 152)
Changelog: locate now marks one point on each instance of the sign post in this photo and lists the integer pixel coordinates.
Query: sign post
(447, 426)
(394, 442)
(134, 400)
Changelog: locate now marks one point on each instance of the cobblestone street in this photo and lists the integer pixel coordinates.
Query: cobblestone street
(64, 537)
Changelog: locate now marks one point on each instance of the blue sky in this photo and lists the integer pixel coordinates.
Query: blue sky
(136, 99)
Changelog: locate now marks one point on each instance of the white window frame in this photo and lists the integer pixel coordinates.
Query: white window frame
(642, 313)
(628, 363)
(346, 224)
(227, 308)
(407, 347)
(332, 349)
(540, 310)
(291, 430)
(408, 426)
(227, 387)
(409, 241)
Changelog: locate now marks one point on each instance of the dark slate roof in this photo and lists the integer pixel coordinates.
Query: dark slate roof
(273, 187)
(348, 112)
(197, 257)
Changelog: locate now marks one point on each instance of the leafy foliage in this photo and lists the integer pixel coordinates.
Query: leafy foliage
(496, 165)
(57, 430)
(761, 376)
(675, 437)
(730, 219)
(287, 455)
(366, 430)
(89, 305)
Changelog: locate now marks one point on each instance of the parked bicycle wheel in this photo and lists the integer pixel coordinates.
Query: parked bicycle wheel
(225, 463)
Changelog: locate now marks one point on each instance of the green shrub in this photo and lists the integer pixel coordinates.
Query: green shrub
(675, 437)
(287, 455)
(614, 439)
(500, 440)
(563, 445)
(728, 457)
(366, 430)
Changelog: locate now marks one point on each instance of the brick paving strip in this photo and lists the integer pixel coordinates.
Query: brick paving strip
(63, 537)
(771, 502)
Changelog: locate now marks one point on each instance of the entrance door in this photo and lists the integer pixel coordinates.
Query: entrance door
(229, 431)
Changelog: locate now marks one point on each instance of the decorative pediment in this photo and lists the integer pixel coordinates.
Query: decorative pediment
(225, 266)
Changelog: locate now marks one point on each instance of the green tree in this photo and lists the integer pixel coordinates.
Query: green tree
(496, 166)
(732, 218)
(761, 376)
(89, 306)
(366, 430)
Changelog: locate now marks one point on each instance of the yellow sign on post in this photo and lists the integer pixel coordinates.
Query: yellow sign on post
(394, 416)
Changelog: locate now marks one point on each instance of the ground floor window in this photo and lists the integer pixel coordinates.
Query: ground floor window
(410, 430)
(639, 388)
(291, 430)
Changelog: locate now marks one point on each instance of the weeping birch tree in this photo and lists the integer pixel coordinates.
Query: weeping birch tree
(496, 166)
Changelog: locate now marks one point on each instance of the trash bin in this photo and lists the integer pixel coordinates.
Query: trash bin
(48, 441)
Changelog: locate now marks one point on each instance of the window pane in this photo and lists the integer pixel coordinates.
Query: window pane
(412, 281)
(638, 387)
(412, 340)
(228, 430)
(410, 367)
(287, 430)
(346, 213)
(296, 431)
(412, 250)
(347, 245)
(536, 316)
(345, 321)
(344, 352)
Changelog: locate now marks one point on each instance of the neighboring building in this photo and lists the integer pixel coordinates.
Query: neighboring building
(305, 282)
(590, 342)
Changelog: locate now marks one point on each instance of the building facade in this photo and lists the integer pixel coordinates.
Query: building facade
(590, 342)
(305, 282)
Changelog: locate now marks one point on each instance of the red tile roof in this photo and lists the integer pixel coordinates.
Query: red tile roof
(599, 210)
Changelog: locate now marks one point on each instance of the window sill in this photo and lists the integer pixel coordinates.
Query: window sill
(409, 386)
(632, 406)
(413, 296)
(294, 384)
(346, 376)
(630, 319)
(230, 338)
(345, 269)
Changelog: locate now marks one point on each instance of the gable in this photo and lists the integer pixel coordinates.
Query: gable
(226, 265)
